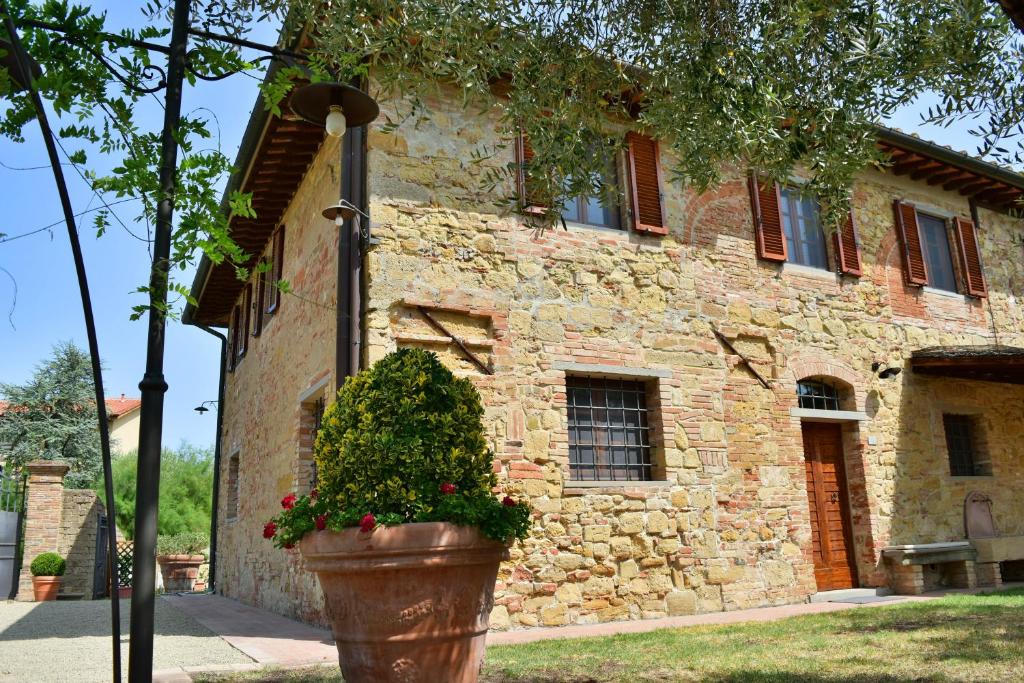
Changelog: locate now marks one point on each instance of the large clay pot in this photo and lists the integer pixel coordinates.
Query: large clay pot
(179, 571)
(45, 587)
(407, 604)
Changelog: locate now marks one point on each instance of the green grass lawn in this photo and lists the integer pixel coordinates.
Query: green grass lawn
(958, 638)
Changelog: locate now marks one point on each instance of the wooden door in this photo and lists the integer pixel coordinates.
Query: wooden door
(834, 563)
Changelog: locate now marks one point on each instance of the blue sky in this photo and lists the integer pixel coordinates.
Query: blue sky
(48, 307)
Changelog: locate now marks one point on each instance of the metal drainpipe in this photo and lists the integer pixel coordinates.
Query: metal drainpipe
(351, 294)
(216, 454)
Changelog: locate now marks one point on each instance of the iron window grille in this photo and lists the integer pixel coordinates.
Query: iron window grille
(817, 395)
(318, 419)
(962, 446)
(609, 431)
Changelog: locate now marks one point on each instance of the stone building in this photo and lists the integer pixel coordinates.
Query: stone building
(709, 403)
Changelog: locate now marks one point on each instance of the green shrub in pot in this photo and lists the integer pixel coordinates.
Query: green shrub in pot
(48, 564)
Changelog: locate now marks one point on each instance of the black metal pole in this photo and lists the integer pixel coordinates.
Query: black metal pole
(153, 386)
(216, 455)
(90, 331)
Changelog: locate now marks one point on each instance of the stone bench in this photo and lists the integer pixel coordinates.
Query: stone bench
(1000, 558)
(917, 568)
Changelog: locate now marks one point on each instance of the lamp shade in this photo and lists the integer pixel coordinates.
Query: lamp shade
(313, 103)
(10, 62)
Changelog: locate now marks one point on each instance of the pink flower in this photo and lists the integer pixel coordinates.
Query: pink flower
(321, 522)
(447, 488)
(367, 523)
(508, 502)
(288, 502)
(269, 529)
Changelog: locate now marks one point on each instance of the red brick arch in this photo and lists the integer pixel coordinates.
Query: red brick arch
(806, 365)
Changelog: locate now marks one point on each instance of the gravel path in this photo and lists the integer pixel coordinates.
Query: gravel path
(70, 641)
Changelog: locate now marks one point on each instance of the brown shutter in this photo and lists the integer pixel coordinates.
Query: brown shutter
(233, 338)
(528, 198)
(766, 202)
(259, 304)
(276, 272)
(915, 272)
(246, 319)
(847, 248)
(646, 182)
(970, 257)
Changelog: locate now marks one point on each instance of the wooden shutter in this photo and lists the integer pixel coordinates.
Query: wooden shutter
(915, 272)
(646, 182)
(970, 257)
(277, 272)
(246, 320)
(259, 304)
(766, 203)
(848, 249)
(233, 338)
(528, 197)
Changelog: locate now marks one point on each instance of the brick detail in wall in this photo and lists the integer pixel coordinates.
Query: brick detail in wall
(43, 511)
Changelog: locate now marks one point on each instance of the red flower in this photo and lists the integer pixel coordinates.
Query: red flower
(288, 502)
(289, 546)
(508, 502)
(447, 488)
(367, 523)
(269, 529)
(314, 493)
(321, 522)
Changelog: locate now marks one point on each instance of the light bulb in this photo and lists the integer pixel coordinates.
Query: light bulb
(335, 122)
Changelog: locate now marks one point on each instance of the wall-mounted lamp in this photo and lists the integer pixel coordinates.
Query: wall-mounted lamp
(10, 62)
(335, 106)
(343, 210)
(202, 409)
(884, 371)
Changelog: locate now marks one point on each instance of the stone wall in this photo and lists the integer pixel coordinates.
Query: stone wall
(267, 397)
(726, 525)
(76, 541)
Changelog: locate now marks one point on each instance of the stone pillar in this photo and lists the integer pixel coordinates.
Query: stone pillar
(906, 579)
(42, 516)
(989, 574)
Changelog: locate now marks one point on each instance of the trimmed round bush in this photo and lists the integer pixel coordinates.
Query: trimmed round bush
(48, 564)
(398, 432)
(187, 543)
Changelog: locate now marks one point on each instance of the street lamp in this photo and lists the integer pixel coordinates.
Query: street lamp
(335, 106)
(202, 409)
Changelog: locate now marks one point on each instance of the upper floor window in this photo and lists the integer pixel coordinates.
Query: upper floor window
(609, 430)
(805, 239)
(589, 210)
(938, 255)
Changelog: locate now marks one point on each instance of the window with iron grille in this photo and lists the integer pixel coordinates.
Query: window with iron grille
(318, 418)
(609, 430)
(817, 395)
(962, 444)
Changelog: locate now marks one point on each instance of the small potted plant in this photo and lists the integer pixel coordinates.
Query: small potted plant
(405, 529)
(180, 556)
(47, 570)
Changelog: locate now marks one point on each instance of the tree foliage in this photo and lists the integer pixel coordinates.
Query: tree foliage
(53, 416)
(186, 486)
(742, 83)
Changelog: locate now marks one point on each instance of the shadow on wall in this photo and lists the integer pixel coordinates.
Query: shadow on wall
(79, 527)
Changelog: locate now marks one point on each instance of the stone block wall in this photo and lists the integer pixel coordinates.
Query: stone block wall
(76, 542)
(726, 525)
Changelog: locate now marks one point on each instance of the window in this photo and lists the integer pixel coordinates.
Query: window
(273, 296)
(589, 210)
(232, 502)
(937, 253)
(817, 395)
(963, 445)
(259, 305)
(609, 432)
(805, 239)
(312, 418)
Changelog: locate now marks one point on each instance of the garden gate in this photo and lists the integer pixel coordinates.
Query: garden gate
(12, 511)
(101, 567)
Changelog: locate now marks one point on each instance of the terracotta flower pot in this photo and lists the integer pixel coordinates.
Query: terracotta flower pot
(124, 592)
(409, 603)
(45, 587)
(179, 571)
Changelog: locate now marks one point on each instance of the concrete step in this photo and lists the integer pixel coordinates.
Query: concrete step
(849, 594)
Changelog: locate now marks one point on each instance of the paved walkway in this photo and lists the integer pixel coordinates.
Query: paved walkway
(273, 640)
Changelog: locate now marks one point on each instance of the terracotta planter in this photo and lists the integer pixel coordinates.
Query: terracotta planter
(409, 603)
(179, 571)
(45, 587)
(124, 592)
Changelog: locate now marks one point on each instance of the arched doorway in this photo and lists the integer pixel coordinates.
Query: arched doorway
(835, 565)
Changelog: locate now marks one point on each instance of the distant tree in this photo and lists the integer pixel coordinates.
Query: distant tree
(53, 417)
(186, 488)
